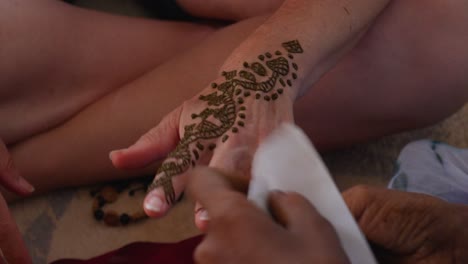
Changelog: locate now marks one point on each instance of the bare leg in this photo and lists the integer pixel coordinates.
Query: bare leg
(55, 59)
(228, 9)
(377, 89)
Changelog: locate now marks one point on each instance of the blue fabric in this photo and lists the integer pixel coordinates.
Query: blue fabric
(433, 168)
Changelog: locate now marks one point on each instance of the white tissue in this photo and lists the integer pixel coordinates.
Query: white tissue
(287, 161)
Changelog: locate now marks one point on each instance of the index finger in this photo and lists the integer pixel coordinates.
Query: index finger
(9, 175)
(209, 186)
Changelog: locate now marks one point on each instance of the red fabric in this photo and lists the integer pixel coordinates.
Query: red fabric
(146, 253)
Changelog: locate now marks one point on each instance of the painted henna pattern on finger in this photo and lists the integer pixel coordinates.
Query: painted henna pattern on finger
(224, 115)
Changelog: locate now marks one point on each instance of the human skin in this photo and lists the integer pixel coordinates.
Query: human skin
(402, 227)
(239, 232)
(322, 46)
(54, 66)
(339, 101)
(408, 227)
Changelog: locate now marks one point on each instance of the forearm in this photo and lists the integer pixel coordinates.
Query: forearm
(325, 29)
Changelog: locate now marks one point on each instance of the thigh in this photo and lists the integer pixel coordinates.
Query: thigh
(409, 71)
(56, 58)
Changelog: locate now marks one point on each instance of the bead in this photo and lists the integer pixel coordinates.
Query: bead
(98, 214)
(109, 194)
(101, 201)
(125, 219)
(138, 216)
(111, 218)
(96, 205)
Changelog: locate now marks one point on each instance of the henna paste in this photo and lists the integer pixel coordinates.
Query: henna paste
(223, 109)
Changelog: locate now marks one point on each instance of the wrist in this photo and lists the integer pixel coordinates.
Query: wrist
(274, 69)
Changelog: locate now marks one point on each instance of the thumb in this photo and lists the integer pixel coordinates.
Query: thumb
(297, 214)
(9, 175)
(152, 146)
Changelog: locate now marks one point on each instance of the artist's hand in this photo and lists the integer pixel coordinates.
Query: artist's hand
(9, 175)
(220, 127)
(410, 228)
(239, 232)
(12, 248)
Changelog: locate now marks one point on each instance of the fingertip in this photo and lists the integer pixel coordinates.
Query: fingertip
(14, 182)
(202, 219)
(117, 158)
(155, 205)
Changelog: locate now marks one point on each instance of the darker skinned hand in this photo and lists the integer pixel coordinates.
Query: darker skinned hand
(239, 232)
(410, 228)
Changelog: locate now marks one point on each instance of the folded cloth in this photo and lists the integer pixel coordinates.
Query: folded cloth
(287, 161)
(433, 168)
(146, 253)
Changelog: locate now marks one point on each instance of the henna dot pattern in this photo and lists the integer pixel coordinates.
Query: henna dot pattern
(282, 82)
(248, 76)
(259, 69)
(222, 110)
(200, 146)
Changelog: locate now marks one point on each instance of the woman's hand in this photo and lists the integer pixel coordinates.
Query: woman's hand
(12, 248)
(410, 228)
(223, 125)
(9, 175)
(239, 232)
(220, 127)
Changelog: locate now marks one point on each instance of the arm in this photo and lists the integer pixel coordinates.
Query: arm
(326, 30)
(259, 82)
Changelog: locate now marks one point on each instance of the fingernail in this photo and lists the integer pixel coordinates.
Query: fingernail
(25, 185)
(113, 153)
(154, 204)
(203, 215)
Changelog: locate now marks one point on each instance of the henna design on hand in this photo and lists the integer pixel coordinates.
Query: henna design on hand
(223, 110)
